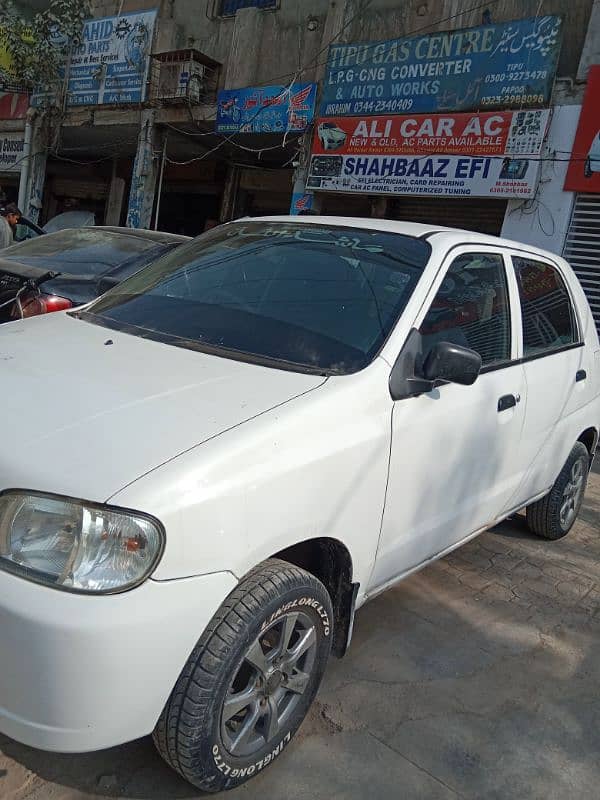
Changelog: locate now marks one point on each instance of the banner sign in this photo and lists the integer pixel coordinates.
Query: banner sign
(111, 65)
(13, 106)
(301, 203)
(266, 109)
(479, 155)
(494, 133)
(583, 174)
(11, 152)
(507, 65)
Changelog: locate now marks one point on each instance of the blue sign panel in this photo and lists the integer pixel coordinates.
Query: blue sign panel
(509, 65)
(266, 109)
(111, 64)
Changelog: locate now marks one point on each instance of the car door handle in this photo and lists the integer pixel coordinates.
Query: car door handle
(507, 401)
(581, 375)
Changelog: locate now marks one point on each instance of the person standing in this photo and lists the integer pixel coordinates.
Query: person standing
(9, 219)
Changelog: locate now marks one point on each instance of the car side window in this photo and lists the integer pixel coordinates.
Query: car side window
(548, 314)
(472, 308)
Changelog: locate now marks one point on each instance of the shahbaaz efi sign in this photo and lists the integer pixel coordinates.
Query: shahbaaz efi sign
(508, 65)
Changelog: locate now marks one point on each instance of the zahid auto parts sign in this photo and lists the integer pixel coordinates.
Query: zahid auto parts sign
(508, 65)
(111, 64)
(482, 155)
(583, 174)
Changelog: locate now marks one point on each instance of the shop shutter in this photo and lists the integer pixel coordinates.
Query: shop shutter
(582, 247)
(473, 213)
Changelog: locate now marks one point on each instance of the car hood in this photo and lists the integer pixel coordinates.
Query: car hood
(84, 417)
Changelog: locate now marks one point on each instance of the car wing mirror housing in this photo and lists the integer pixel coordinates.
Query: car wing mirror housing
(453, 363)
(415, 373)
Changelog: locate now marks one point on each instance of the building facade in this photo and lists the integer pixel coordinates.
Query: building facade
(161, 146)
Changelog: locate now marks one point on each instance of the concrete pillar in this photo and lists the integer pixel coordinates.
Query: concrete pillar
(244, 54)
(338, 16)
(145, 173)
(590, 53)
(379, 207)
(230, 192)
(114, 204)
(36, 179)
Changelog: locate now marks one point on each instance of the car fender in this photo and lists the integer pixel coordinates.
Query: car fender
(315, 467)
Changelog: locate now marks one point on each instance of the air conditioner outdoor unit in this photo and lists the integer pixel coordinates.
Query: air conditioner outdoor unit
(184, 75)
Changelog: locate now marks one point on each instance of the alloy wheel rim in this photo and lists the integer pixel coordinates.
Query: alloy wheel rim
(268, 684)
(572, 494)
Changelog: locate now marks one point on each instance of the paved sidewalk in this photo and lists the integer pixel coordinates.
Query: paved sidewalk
(477, 678)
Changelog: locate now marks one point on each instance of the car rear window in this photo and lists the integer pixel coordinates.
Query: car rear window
(303, 295)
(79, 251)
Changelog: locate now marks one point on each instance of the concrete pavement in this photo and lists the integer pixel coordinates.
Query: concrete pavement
(477, 678)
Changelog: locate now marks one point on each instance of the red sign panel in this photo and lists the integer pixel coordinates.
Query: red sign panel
(13, 106)
(583, 174)
(493, 134)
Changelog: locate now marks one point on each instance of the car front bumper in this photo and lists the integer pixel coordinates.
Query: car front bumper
(81, 673)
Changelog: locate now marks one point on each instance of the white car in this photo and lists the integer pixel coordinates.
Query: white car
(592, 162)
(205, 472)
(331, 136)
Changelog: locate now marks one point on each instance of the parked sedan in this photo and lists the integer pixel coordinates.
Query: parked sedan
(205, 471)
(71, 267)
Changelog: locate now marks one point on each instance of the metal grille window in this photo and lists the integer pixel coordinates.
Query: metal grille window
(229, 7)
(582, 248)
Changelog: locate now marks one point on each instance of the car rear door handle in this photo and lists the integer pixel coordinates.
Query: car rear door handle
(507, 401)
(581, 375)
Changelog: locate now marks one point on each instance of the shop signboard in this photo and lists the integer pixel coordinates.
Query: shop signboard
(111, 65)
(13, 106)
(479, 155)
(302, 203)
(583, 174)
(266, 109)
(505, 65)
(11, 151)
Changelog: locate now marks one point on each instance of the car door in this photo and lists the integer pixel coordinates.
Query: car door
(452, 465)
(558, 373)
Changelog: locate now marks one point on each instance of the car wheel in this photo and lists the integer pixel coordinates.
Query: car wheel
(250, 680)
(553, 516)
(587, 168)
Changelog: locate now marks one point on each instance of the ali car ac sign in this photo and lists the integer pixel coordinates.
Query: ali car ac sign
(583, 174)
(482, 155)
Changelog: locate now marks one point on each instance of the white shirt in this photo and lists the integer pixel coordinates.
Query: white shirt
(6, 234)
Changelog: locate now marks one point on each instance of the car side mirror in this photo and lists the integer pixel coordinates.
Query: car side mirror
(453, 363)
(417, 371)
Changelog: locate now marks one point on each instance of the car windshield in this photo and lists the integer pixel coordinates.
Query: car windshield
(79, 251)
(295, 295)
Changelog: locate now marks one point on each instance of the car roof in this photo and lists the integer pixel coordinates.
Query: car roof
(438, 234)
(143, 233)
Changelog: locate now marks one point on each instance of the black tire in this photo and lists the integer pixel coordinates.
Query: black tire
(193, 735)
(546, 517)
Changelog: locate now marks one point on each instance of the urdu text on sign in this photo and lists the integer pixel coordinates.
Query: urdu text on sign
(507, 65)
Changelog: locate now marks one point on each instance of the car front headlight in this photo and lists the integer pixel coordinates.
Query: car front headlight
(76, 546)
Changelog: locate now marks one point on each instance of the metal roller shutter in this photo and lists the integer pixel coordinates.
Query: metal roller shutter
(473, 213)
(582, 247)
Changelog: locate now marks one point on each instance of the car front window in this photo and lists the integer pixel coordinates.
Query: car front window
(297, 295)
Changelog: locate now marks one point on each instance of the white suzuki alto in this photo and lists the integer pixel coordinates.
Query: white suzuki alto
(205, 472)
